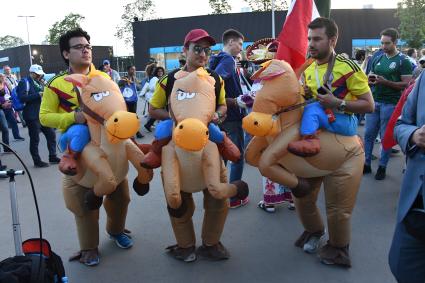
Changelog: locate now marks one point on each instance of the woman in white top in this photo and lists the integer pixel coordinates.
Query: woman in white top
(148, 90)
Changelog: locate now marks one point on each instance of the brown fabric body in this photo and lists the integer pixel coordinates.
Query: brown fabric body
(341, 188)
(87, 221)
(213, 224)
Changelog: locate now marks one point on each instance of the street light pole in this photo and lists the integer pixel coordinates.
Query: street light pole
(28, 35)
(273, 25)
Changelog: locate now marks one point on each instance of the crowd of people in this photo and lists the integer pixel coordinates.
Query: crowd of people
(369, 87)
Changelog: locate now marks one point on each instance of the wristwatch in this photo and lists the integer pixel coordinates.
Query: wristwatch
(342, 106)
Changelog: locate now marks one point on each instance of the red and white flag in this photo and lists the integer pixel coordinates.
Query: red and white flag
(293, 43)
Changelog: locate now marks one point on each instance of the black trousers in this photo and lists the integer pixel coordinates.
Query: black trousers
(34, 129)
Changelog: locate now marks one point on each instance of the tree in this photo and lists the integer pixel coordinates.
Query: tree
(266, 5)
(71, 21)
(412, 22)
(10, 41)
(138, 10)
(220, 6)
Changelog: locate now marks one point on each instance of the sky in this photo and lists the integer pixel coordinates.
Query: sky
(102, 17)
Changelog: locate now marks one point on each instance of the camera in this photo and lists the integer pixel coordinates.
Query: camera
(322, 90)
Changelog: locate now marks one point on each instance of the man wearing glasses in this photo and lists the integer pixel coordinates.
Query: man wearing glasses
(60, 109)
(196, 49)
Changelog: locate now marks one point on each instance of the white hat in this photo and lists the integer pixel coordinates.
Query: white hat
(37, 69)
(422, 60)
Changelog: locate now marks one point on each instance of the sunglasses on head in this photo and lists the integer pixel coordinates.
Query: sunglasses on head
(198, 50)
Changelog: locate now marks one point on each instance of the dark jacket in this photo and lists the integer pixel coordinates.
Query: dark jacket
(32, 99)
(224, 65)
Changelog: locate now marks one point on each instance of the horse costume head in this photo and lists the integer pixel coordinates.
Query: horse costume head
(101, 101)
(279, 89)
(192, 106)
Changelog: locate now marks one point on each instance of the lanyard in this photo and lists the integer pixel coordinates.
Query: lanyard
(327, 80)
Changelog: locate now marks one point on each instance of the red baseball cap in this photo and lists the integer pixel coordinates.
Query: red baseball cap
(196, 35)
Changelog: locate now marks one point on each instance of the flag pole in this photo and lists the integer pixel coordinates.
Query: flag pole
(273, 25)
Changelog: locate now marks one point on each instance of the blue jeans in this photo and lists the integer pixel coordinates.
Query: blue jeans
(11, 121)
(407, 257)
(4, 129)
(377, 122)
(235, 132)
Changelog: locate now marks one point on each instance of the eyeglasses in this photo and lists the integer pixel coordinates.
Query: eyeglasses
(81, 47)
(198, 50)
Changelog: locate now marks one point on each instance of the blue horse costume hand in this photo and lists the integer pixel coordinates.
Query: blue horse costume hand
(72, 142)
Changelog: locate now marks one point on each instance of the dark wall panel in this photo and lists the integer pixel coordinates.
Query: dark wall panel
(364, 23)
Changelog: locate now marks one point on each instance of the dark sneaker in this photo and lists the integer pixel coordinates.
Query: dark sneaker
(330, 255)
(367, 169)
(184, 254)
(216, 252)
(380, 173)
(395, 151)
(122, 240)
(54, 160)
(41, 164)
(139, 135)
(19, 139)
(148, 128)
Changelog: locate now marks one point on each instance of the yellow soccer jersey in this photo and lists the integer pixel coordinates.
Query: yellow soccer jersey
(348, 80)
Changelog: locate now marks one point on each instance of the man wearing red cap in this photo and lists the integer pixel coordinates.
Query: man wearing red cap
(196, 48)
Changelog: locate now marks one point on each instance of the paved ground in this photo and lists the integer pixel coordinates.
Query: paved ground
(261, 244)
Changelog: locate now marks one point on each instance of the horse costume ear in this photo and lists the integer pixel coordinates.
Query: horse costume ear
(77, 80)
(268, 70)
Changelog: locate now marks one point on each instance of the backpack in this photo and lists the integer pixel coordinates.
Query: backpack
(17, 104)
(33, 268)
(171, 79)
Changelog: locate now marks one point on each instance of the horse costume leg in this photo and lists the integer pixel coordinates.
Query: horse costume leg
(96, 160)
(214, 218)
(183, 226)
(116, 205)
(171, 177)
(211, 167)
(341, 189)
(255, 149)
(269, 165)
(144, 176)
(308, 211)
(87, 221)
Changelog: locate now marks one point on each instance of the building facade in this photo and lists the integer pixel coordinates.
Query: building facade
(163, 39)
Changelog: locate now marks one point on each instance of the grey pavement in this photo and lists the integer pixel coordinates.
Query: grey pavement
(261, 244)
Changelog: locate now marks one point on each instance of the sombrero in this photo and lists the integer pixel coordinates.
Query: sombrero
(262, 50)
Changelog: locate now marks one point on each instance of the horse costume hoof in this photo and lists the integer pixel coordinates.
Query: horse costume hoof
(242, 189)
(307, 147)
(68, 165)
(178, 212)
(139, 188)
(302, 189)
(228, 150)
(330, 255)
(92, 201)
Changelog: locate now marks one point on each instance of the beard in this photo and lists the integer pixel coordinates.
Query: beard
(320, 54)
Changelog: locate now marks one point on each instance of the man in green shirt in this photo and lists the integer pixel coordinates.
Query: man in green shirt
(390, 74)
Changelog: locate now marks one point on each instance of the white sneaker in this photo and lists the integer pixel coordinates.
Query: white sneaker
(313, 244)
